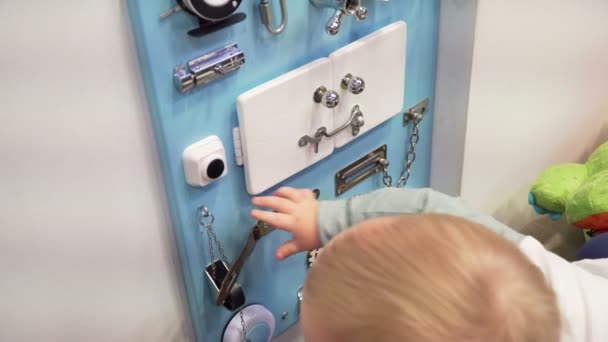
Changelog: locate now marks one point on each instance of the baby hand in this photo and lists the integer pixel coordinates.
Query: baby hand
(295, 212)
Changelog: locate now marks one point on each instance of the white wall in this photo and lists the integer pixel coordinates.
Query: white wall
(521, 86)
(86, 249)
(454, 63)
(538, 96)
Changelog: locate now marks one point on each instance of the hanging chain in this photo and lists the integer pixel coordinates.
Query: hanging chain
(410, 156)
(244, 333)
(206, 220)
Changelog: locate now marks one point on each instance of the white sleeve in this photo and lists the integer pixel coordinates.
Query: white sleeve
(598, 267)
(581, 289)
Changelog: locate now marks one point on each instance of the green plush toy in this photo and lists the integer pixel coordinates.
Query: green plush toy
(578, 190)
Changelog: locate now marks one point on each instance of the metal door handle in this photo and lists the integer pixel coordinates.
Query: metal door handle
(355, 122)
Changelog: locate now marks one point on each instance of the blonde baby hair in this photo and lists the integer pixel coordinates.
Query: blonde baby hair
(425, 278)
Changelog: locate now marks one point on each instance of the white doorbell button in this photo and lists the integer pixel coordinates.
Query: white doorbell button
(205, 162)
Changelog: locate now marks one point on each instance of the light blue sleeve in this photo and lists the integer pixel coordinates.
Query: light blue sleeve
(336, 216)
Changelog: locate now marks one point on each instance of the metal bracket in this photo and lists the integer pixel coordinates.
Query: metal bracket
(233, 299)
(355, 122)
(208, 68)
(417, 112)
(360, 170)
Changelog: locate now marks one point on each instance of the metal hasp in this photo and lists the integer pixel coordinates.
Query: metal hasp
(416, 113)
(267, 18)
(360, 170)
(355, 122)
(342, 8)
(208, 68)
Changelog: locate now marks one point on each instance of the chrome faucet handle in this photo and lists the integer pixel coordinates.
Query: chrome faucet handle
(361, 13)
(353, 84)
(335, 22)
(327, 98)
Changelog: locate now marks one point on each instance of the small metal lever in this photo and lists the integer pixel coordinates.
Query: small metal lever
(342, 8)
(355, 122)
(355, 85)
(227, 287)
(327, 98)
(335, 22)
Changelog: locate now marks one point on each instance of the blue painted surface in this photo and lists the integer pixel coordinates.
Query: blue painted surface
(180, 120)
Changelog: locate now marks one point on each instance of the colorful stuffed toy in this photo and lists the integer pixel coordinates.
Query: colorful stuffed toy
(578, 190)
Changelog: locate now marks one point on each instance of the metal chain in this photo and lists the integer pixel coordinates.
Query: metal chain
(410, 156)
(206, 220)
(244, 333)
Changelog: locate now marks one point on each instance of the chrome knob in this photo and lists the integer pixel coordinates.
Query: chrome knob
(355, 85)
(327, 98)
(361, 13)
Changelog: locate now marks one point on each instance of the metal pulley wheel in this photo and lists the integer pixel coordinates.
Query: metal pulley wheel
(254, 323)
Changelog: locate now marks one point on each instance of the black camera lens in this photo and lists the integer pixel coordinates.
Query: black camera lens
(215, 169)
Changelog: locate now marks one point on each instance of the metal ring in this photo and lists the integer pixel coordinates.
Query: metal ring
(204, 213)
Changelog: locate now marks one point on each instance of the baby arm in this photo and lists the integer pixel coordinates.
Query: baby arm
(336, 216)
(314, 223)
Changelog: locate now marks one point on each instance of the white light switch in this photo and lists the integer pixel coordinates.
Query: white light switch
(379, 59)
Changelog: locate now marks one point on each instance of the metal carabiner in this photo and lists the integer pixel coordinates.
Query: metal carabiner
(267, 18)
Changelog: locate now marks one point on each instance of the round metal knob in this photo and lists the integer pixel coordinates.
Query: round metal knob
(327, 98)
(361, 13)
(355, 85)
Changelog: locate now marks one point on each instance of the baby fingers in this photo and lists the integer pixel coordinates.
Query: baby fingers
(278, 220)
(275, 203)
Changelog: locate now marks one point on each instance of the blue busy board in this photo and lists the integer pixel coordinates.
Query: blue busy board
(180, 120)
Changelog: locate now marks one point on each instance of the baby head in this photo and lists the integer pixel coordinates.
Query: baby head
(426, 278)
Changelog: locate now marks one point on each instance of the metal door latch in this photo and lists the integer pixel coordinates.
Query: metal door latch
(355, 122)
(417, 112)
(208, 68)
(360, 170)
